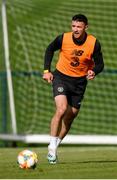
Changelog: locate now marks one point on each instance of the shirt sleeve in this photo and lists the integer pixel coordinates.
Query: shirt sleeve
(52, 47)
(98, 58)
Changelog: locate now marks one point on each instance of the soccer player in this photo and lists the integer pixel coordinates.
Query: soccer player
(80, 59)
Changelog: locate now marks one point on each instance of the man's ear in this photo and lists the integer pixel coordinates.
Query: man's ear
(86, 27)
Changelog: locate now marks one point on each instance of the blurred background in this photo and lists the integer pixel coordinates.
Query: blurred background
(32, 25)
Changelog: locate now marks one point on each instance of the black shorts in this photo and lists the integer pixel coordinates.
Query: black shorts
(72, 87)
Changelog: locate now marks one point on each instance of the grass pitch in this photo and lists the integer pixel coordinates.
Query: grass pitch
(74, 163)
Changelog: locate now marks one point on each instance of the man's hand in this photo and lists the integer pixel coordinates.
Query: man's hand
(90, 75)
(48, 77)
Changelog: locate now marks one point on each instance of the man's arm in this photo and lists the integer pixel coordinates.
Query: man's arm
(98, 58)
(53, 46)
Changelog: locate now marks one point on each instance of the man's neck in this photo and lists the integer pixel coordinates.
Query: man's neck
(80, 40)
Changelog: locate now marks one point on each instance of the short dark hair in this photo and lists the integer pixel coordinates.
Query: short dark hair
(81, 18)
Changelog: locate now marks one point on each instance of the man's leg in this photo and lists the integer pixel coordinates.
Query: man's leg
(68, 118)
(56, 124)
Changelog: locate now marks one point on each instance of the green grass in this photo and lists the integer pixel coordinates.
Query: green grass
(74, 163)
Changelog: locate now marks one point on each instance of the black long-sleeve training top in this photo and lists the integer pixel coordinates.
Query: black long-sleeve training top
(57, 44)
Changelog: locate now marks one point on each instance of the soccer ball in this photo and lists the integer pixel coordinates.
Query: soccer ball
(27, 159)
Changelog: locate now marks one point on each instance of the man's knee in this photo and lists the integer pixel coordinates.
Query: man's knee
(61, 110)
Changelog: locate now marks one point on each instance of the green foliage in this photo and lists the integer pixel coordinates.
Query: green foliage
(32, 25)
